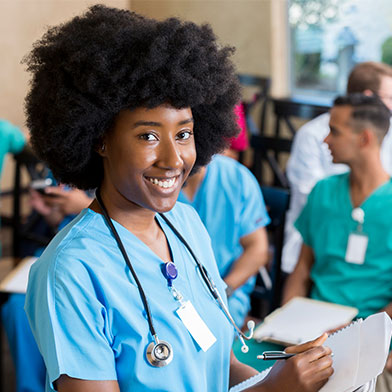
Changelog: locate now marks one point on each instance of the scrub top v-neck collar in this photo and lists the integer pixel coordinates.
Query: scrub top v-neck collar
(366, 200)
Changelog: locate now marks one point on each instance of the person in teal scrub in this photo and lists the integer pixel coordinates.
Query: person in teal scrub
(122, 298)
(346, 223)
(229, 202)
(12, 140)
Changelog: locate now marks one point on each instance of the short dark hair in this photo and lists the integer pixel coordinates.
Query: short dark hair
(367, 111)
(87, 70)
(367, 76)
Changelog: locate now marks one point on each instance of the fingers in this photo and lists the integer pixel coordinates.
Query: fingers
(316, 353)
(306, 372)
(308, 345)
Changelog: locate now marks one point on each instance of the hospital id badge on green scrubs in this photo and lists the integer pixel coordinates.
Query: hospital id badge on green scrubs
(356, 248)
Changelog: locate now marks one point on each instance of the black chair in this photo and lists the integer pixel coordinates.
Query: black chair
(272, 148)
(260, 98)
(277, 201)
(286, 108)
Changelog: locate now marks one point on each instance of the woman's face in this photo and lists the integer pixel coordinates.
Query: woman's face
(148, 155)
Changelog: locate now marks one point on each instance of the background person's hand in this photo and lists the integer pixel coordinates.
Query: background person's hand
(67, 200)
(40, 203)
(388, 366)
(307, 371)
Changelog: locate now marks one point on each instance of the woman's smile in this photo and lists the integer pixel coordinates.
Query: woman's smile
(165, 183)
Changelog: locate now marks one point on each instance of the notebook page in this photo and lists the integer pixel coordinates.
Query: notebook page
(303, 319)
(345, 349)
(376, 333)
(16, 280)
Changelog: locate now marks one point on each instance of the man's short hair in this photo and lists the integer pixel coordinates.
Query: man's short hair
(367, 76)
(367, 111)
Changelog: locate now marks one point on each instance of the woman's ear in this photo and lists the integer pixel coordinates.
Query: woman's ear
(101, 148)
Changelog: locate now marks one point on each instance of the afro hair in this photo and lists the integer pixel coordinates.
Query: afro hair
(87, 70)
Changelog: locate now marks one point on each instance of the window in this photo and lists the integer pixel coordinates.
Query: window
(328, 37)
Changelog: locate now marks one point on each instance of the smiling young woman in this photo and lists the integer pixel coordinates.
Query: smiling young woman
(130, 106)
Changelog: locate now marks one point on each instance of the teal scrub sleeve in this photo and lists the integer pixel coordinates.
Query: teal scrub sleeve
(17, 140)
(254, 212)
(74, 335)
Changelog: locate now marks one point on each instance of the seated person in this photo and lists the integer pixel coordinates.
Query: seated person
(311, 161)
(229, 202)
(58, 208)
(239, 143)
(358, 203)
(12, 141)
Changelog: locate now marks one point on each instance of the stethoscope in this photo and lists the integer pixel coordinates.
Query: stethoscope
(159, 352)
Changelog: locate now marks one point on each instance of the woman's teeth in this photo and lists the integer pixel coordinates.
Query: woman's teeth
(163, 183)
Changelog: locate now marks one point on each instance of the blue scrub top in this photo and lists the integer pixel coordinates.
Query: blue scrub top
(87, 315)
(230, 204)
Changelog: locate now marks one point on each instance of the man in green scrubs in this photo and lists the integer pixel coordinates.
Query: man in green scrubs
(346, 225)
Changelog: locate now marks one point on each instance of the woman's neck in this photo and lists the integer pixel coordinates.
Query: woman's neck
(140, 222)
(193, 183)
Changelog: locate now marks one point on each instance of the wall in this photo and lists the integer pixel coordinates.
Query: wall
(244, 24)
(22, 23)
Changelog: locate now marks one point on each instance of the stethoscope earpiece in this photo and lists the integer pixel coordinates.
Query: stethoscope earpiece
(159, 353)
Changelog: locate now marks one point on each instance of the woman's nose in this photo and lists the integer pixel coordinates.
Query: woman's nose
(170, 155)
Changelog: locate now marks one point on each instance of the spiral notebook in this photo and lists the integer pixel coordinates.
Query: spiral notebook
(360, 352)
(359, 355)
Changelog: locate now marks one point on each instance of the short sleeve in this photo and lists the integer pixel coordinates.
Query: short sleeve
(69, 322)
(254, 213)
(303, 222)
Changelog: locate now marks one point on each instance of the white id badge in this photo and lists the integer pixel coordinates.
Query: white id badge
(356, 248)
(196, 326)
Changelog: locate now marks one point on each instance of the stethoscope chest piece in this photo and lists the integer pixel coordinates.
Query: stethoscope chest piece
(159, 354)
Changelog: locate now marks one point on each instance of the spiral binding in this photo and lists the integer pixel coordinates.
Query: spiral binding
(359, 320)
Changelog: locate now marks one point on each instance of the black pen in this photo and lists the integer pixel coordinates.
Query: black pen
(274, 355)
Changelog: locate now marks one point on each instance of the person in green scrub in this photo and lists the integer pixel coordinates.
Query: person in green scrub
(346, 257)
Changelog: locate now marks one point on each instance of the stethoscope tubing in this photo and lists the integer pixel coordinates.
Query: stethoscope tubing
(203, 271)
(127, 261)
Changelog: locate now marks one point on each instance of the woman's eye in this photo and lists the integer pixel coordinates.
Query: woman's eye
(185, 135)
(148, 136)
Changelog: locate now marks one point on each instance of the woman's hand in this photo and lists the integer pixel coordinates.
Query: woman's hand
(307, 371)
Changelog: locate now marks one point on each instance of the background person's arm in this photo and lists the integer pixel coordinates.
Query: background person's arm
(299, 282)
(254, 256)
(388, 309)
